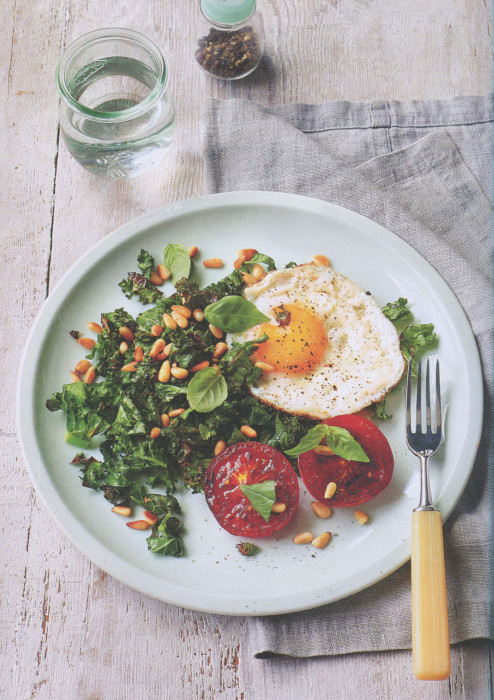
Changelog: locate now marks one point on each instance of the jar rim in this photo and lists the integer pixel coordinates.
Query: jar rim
(99, 36)
(228, 25)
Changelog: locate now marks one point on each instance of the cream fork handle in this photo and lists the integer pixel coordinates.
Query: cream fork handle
(430, 630)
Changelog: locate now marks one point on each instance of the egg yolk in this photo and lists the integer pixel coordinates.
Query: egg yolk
(297, 347)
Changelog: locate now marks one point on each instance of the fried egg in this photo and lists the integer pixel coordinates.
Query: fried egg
(330, 348)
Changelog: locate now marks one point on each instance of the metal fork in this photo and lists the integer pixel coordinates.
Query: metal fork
(430, 631)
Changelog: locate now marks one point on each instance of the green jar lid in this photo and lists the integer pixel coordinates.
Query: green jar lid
(228, 11)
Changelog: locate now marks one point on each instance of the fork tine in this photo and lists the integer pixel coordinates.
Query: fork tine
(438, 399)
(409, 395)
(418, 410)
(427, 397)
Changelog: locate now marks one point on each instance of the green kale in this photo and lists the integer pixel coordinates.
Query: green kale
(248, 549)
(416, 339)
(289, 430)
(196, 298)
(167, 537)
(237, 366)
(380, 409)
(396, 310)
(137, 285)
(145, 262)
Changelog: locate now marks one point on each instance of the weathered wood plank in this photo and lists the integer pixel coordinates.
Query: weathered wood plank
(68, 629)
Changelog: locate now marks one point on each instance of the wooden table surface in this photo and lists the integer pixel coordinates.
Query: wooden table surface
(68, 630)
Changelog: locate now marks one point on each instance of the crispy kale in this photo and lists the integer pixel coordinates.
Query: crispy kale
(137, 285)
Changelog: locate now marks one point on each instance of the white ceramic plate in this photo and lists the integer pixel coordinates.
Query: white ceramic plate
(283, 577)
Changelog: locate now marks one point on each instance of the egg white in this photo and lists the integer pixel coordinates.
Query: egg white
(362, 361)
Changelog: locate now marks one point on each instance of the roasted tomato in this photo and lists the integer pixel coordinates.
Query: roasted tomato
(249, 463)
(356, 482)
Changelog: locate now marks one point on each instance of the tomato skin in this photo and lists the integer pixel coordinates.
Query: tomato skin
(249, 463)
(357, 482)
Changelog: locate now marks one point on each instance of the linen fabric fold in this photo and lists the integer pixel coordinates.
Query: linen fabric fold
(422, 169)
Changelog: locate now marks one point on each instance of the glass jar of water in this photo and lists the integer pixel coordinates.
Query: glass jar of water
(116, 113)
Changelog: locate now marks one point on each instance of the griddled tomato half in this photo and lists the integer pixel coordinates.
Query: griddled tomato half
(249, 463)
(356, 482)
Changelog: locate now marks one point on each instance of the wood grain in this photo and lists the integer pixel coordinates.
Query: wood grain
(67, 629)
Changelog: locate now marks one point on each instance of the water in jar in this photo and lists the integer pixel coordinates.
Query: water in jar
(116, 141)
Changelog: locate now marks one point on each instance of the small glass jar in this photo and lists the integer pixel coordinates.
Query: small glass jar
(116, 112)
(231, 38)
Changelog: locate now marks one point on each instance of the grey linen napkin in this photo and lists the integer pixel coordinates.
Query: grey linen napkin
(422, 169)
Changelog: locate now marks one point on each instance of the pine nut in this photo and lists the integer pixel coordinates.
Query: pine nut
(90, 375)
(87, 343)
(248, 279)
(193, 250)
(199, 366)
(213, 262)
(75, 377)
(238, 262)
(126, 333)
(122, 510)
(247, 253)
(156, 330)
(323, 450)
(82, 366)
(217, 332)
(138, 354)
(156, 279)
(258, 272)
(157, 347)
(321, 540)
(303, 538)
(248, 431)
(169, 322)
(219, 447)
(164, 373)
(165, 420)
(163, 272)
(138, 525)
(220, 349)
(265, 366)
(179, 372)
(198, 314)
(149, 517)
(176, 412)
(167, 349)
(180, 320)
(155, 433)
(131, 367)
(330, 490)
(95, 327)
(182, 310)
(320, 260)
(278, 508)
(123, 347)
(321, 509)
(361, 517)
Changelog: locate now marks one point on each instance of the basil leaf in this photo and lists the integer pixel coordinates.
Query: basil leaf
(177, 260)
(344, 445)
(259, 258)
(262, 496)
(234, 314)
(309, 441)
(338, 439)
(206, 390)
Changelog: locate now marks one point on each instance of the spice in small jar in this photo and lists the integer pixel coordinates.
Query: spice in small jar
(231, 41)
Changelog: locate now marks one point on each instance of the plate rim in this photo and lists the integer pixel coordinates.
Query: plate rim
(90, 546)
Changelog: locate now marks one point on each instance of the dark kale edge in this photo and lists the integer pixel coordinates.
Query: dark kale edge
(415, 339)
(124, 407)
